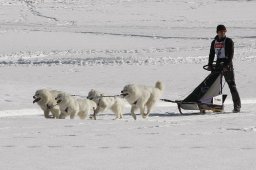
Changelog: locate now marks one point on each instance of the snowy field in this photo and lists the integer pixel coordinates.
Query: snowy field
(75, 45)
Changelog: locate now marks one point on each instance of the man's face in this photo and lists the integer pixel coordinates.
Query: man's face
(221, 33)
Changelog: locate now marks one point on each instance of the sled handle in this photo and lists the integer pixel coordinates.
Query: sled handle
(206, 67)
(214, 67)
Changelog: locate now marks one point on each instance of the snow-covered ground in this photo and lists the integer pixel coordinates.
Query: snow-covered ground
(75, 45)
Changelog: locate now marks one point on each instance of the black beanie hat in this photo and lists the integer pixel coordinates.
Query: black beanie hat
(221, 28)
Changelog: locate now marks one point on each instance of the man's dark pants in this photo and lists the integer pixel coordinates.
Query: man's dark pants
(230, 79)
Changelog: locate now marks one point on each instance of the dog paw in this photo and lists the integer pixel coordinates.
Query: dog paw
(144, 115)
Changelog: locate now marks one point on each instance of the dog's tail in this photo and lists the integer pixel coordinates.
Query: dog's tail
(159, 85)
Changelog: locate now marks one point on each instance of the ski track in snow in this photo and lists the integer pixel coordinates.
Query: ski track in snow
(33, 10)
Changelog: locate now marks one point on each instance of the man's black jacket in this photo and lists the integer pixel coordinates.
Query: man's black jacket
(229, 52)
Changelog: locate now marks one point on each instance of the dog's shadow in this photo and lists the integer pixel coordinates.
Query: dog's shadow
(168, 114)
(174, 114)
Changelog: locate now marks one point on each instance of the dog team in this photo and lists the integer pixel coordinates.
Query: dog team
(59, 105)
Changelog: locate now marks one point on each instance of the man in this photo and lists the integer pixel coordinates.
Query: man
(223, 48)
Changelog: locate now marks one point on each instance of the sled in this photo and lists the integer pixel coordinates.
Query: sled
(207, 96)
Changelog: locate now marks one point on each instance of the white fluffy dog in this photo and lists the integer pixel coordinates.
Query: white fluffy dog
(46, 100)
(70, 106)
(142, 97)
(115, 104)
